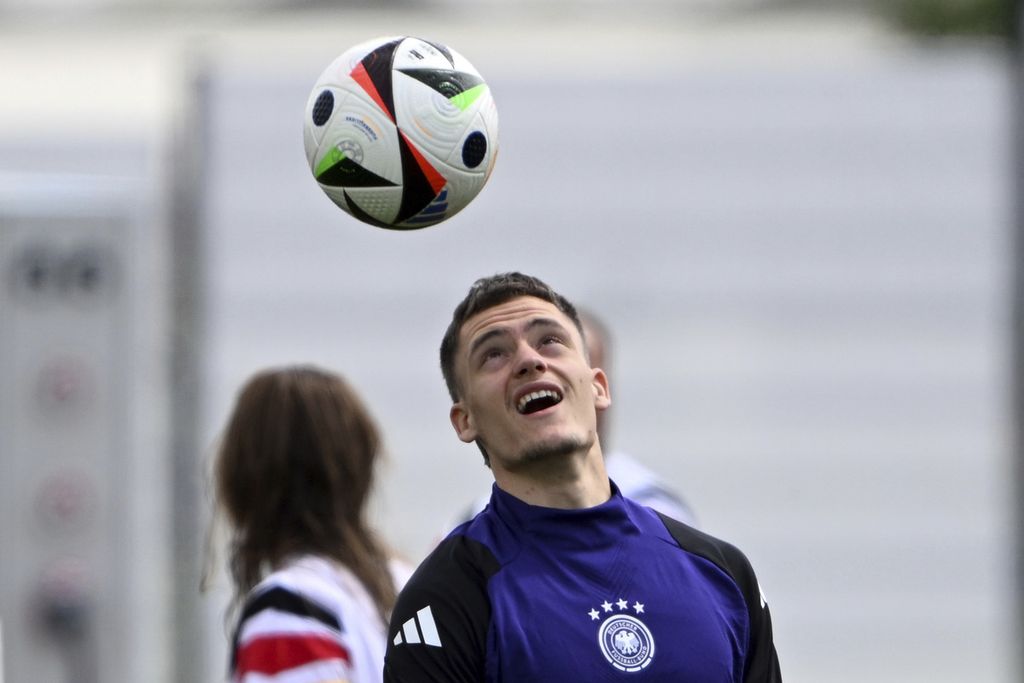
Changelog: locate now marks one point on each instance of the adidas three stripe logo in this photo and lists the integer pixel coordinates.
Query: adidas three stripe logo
(420, 629)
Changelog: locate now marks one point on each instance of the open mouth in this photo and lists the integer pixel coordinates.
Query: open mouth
(538, 400)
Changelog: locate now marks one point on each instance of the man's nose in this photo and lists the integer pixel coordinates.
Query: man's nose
(529, 360)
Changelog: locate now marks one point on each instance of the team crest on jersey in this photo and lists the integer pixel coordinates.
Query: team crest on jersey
(625, 640)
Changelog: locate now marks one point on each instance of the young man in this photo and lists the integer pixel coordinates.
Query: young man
(634, 479)
(561, 578)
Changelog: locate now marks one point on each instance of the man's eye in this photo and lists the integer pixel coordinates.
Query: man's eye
(551, 339)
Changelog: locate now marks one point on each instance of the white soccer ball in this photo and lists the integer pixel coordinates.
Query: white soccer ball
(401, 132)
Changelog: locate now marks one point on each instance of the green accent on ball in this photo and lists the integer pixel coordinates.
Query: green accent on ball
(464, 99)
(338, 170)
(333, 157)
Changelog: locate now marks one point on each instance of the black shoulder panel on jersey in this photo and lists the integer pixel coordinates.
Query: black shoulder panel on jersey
(762, 663)
(450, 589)
(724, 555)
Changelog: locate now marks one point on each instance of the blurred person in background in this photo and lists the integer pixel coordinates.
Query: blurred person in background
(313, 584)
(562, 578)
(635, 481)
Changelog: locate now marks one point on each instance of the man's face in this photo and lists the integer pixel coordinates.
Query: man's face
(527, 392)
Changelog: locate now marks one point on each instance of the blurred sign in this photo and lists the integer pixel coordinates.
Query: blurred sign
(66, 424)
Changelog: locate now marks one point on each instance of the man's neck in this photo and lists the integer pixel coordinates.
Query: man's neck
(572, 483)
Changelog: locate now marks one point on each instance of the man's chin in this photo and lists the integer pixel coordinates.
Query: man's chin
(549, 451)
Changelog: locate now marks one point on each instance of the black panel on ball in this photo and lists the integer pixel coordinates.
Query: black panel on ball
(378, 68)
(445, 81)
(416, 189)
(347, 173)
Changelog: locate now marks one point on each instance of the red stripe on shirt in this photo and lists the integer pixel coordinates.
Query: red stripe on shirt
(273, 654)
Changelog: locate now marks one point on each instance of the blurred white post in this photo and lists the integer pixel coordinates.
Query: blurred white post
(187, 348)
(1017, 333)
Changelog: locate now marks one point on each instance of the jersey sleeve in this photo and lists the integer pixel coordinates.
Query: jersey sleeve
(762, 660)
(761, 663)
(293, 658)
(439, 627)
(284, 636)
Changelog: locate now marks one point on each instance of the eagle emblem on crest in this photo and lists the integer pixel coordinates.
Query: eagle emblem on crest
(625, 641)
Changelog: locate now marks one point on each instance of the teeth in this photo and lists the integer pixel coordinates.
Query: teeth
(535, 395)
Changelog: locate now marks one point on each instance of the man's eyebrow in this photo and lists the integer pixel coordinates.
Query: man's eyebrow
(485, 337)
(544, 322)
(499, 331)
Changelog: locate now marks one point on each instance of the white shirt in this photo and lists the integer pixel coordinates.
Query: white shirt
(311, 621)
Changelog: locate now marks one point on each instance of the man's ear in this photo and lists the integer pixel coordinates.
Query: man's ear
(462, 421)
(602, 395)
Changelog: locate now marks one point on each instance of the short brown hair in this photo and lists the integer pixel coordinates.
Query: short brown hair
(488, 292)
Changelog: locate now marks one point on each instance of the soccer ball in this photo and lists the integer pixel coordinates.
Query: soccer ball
(401, 132)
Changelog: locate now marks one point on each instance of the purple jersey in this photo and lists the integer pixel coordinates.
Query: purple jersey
(615, 592)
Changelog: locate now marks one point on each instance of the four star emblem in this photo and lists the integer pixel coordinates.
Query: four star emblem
(621, 603)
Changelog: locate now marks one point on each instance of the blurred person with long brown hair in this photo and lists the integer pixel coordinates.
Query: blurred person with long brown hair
(314, 586)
